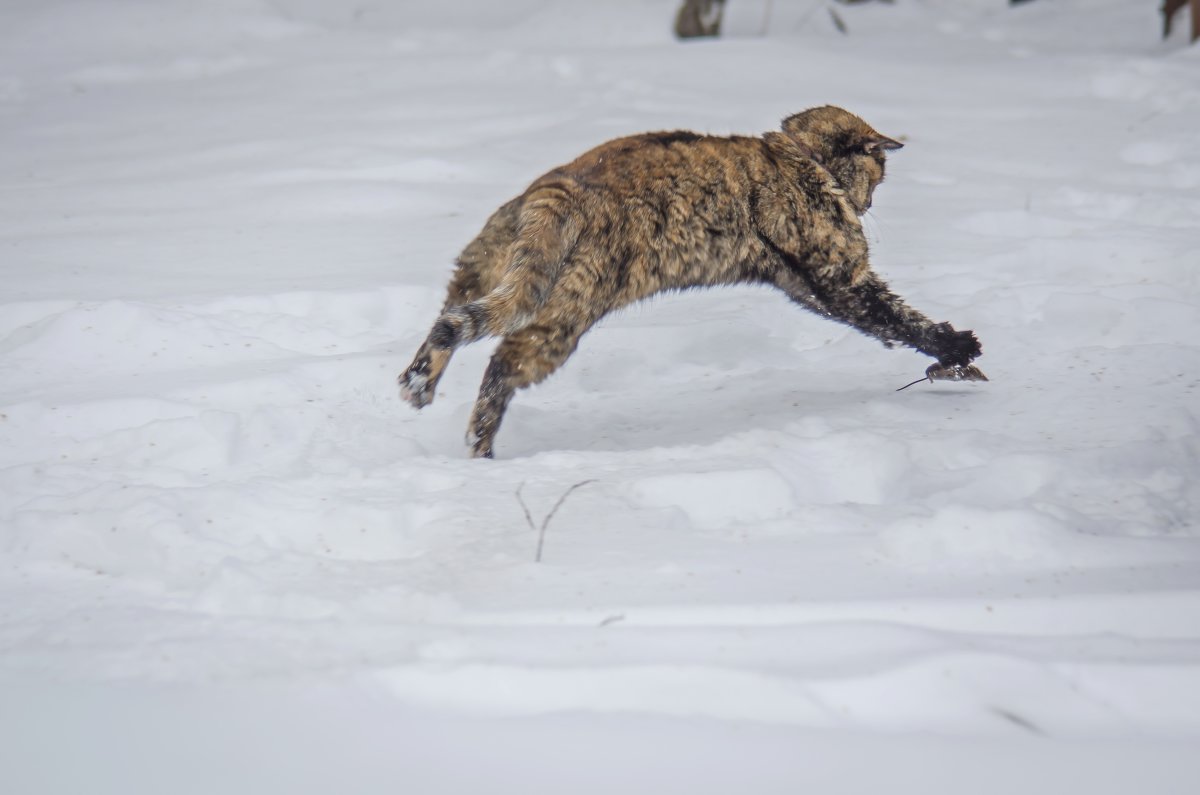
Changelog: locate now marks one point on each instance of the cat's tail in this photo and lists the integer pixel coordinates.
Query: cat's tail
(547, 230)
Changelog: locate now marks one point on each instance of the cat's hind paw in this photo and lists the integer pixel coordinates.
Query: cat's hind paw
(415, 388)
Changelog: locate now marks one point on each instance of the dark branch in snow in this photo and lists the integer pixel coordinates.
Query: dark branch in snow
(546, 521)
(1017, 720)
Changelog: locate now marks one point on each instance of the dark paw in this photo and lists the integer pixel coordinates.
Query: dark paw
(481, 447)
(415, 387)
(956, 348)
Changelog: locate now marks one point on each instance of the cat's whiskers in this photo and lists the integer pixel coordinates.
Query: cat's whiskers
(872, 228)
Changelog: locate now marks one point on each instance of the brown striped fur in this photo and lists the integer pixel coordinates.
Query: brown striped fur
(663, 211)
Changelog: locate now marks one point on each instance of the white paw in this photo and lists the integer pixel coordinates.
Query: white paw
(414, 389)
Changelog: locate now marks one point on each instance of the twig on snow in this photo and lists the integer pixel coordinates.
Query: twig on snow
(525, 508)
(546, 521)
(838, 22)
(1019, 721)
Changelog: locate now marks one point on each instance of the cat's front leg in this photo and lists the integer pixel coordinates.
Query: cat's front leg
(868, 305)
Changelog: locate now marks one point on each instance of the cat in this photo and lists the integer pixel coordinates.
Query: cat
(665, 211)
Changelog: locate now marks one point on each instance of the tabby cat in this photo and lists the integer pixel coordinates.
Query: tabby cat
(666, 211)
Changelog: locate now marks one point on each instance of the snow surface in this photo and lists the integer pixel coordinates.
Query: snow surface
(233, 561)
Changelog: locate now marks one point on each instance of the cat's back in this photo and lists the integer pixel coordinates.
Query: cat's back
(661, 164)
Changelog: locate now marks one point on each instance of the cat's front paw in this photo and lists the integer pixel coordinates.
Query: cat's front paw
(956, 348)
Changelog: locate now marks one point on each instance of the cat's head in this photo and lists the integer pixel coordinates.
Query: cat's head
(849, 148)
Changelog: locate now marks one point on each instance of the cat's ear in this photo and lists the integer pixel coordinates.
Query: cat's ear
(881, 142)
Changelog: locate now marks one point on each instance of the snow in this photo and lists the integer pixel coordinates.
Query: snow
(231, 559)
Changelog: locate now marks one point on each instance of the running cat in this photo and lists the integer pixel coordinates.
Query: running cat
(667, 211)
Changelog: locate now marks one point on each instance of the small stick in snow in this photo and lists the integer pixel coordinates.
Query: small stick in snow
(524, 507)
(546, 521)
(1017, 720)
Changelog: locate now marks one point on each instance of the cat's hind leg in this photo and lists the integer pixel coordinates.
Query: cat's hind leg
(546, 231)
(522, 359)
(479, 269)
(418, 382)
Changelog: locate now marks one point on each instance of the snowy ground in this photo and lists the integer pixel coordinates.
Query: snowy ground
(233, 561)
